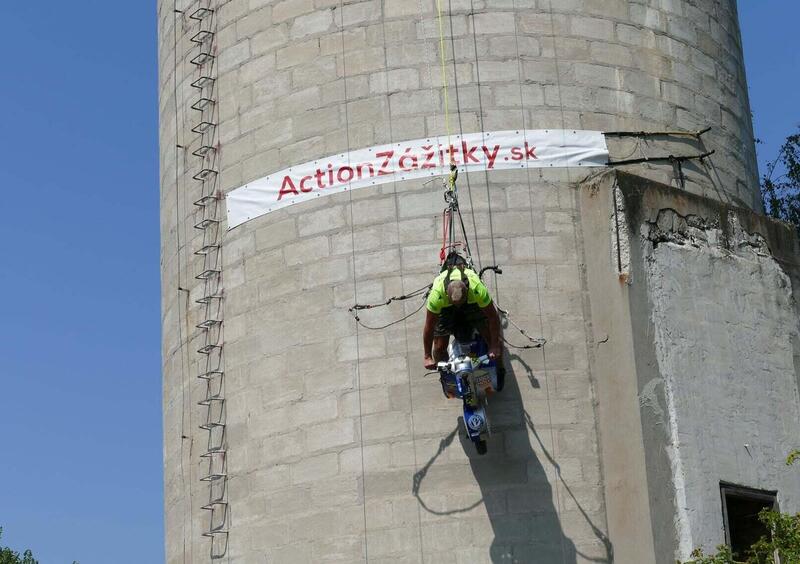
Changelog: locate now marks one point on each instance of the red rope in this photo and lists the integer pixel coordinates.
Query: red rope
(445, 225)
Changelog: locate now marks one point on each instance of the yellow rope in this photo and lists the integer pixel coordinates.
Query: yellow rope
(444, 85)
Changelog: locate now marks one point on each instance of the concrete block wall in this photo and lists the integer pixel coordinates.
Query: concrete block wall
(330, 425)
(340, 449)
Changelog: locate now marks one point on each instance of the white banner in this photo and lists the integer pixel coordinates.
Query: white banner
(492, 150)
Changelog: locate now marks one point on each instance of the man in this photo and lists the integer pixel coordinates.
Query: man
(459, 301)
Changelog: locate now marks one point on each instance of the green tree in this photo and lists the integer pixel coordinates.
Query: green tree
(785, 539)
(780, 185)
(8, 556)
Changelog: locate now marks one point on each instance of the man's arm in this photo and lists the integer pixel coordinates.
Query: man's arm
(495, 330)
(427, 338)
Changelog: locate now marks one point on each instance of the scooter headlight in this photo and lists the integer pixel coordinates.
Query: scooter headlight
(462, 367)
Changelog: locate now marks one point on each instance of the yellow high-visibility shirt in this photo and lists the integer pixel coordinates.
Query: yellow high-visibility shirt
(476, 293)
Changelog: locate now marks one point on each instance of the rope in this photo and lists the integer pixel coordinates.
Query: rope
(464, 233)
(434, 98)
(445, 221)
(444, 74)
(559, 507)
(402, 276)
(483, 140)
(538, 342)
(461, 132)
(399, 298)
(555, 61)
(381, 327)
(355, 288)
(449, 244)
(422, 291)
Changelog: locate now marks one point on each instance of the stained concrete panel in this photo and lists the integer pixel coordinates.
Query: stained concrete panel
(725, 326)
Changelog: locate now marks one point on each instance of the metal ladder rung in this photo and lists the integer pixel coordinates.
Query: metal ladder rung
(208, 323)
(214, 532)
(201, 58)
(205, 200)
(213, 477)
(208, 401)
(205, 173)
(211, 453)
(201, 13)
(203, 127)
(208, 349)
(210, 506)
(206, 274)
(210, 374)
(211, 425)
(207, 249)
(206, 223)
(208, 299)
(203, 151)
(202, 82)
(202, 36)
(202, 104)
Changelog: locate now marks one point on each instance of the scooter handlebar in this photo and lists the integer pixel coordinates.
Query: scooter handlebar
(480, 361)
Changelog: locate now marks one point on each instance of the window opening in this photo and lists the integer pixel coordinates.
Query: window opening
(740, 509)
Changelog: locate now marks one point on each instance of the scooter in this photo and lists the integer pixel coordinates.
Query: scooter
(471, 376)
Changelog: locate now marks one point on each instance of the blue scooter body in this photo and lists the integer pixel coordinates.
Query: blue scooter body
(472, 388)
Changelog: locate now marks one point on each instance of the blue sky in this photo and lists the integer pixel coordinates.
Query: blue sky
(770, 38)
(80, 466)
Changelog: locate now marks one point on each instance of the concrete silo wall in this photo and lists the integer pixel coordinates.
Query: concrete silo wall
(339, 448)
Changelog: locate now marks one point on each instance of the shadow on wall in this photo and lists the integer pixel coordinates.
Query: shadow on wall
(515, 489)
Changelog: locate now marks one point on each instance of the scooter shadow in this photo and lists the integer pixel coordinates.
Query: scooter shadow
(515, 487)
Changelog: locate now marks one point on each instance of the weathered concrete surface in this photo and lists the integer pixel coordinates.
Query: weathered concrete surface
(724, 337)
(718, 383)
(709, 294)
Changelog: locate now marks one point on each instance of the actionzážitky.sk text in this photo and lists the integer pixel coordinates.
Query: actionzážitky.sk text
(389, 162)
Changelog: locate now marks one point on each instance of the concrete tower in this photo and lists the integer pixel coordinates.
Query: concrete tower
(667, 302)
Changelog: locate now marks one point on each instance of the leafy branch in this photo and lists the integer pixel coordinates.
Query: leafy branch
(8, 556)
(780, 185)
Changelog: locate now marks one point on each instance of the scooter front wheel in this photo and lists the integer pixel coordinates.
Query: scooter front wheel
(481, 447)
